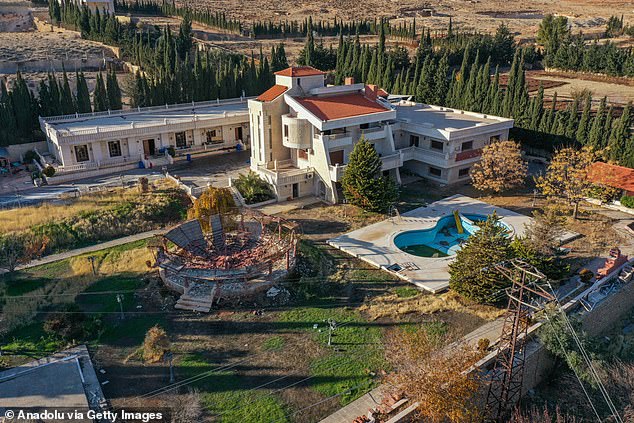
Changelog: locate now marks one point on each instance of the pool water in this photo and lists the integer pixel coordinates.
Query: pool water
(442, 240)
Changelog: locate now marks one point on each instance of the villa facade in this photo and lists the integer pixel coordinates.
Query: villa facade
(125, 137)
(302, 133)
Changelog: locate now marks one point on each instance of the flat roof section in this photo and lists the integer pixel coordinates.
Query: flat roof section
(147, 118)
(340, 106)
(57, 381)
(443, 118)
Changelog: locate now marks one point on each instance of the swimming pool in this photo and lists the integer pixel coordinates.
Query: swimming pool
(442, 240)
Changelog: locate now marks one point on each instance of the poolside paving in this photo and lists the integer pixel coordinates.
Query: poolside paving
(374, 244)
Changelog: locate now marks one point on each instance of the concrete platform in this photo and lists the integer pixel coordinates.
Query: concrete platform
(374, 244)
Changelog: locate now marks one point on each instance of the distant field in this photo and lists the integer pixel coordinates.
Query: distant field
(483, 15)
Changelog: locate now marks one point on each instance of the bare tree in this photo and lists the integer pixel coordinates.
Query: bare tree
(436, 377)
(187, 408)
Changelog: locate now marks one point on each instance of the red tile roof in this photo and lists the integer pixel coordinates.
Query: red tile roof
(272, 93)
(612, 175)
(340, 106)
(300, 71)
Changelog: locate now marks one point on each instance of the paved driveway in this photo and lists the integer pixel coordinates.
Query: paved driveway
(214, 169)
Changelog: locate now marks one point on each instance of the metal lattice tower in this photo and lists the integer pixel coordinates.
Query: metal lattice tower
(525, 296)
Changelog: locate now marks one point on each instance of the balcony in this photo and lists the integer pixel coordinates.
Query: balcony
(296, 132)
(392, 161)
(335, 140)
(372, 134)
(434, 157)
(336, 172)
(469, 154)
(287, 175)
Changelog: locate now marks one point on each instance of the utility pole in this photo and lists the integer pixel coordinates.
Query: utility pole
(169, 357)
(525, 297)
(120, 301)
(332, 326)
(91, 259)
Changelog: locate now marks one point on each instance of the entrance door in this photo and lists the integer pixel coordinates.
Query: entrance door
(295, 190)
(238, 133)
(148, 147)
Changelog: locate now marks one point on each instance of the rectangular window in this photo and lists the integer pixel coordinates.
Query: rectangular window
(413, 140)
(464, 172)
(434, 171)
(81, 153)
(437, 145)
(285, 131)
(181, 139)
(211, 137)
(467, 146)
(270, 120)
(114, 148)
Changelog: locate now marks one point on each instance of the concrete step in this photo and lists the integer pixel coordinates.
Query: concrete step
(194, 303)
(191, 308)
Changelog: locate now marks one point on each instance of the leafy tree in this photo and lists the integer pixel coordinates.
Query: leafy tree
(472, 273)
(212, 201)
(567, 176)
(363, 183)
(500, 168)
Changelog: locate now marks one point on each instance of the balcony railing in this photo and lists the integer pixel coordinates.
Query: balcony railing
(336, 172)
(391, 162)
(287, 176)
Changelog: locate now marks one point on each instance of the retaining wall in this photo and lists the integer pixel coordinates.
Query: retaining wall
(539, 362)
(16, 151)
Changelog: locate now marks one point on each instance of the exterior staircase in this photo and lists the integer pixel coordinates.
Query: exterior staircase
(196, 300)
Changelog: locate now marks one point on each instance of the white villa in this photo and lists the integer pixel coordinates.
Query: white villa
(104, 6)
(303, 131)
(125, 137)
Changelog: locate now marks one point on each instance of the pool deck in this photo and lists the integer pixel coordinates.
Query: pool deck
(374, 244)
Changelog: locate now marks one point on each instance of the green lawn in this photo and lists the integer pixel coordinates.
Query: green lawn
(227, 397)
(45, 288)
(356, 350)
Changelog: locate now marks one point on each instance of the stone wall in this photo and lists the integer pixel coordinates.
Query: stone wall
(16, 151)
(539, 362)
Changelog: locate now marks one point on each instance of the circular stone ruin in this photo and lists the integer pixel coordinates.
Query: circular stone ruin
(234, 257)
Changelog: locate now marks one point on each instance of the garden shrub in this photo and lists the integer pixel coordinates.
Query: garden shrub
(48, 171)
(628, 201)
(253, 188)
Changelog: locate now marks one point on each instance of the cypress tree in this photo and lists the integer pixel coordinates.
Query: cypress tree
(83, 95)
(619, 136)
(583, 126)
(441, 84)
(596, 137)
(571, 125)
(67, 98)
(100, 95)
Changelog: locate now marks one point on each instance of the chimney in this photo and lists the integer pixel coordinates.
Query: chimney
(349, 80)
(370, 92)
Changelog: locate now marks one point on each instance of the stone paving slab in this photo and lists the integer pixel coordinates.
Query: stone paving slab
(374, 244)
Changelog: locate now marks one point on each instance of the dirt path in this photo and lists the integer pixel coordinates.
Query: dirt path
(90, 249)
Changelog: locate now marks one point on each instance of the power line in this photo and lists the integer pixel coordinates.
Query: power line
(563, 349)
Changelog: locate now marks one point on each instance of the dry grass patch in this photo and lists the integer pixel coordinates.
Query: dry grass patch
(393, 306)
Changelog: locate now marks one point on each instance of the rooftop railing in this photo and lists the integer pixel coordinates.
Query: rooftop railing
(61, 118)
